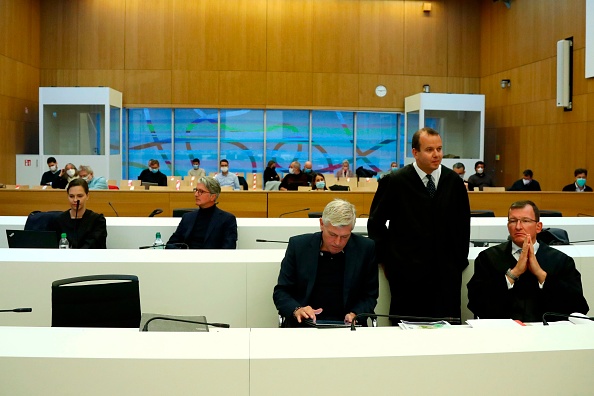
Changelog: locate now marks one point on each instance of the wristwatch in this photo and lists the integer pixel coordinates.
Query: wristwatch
(512, 276)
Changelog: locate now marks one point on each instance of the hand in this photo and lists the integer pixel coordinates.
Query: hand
(534, 267)
(522, 264)
(307, 313)
(348, 318)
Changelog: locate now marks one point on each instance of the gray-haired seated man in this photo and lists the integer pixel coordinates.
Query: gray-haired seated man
(208, 227)
(329, 275)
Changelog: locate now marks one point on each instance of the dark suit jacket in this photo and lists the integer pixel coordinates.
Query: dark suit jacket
(88, 232)
(425, 248)
(299, 268)
(221, 233)
(520, 186)
(572, 187)
(150, 177)
(489, 297)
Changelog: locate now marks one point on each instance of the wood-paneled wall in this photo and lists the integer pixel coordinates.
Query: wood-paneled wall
(523, 124)
(262, 53)
(19, 82)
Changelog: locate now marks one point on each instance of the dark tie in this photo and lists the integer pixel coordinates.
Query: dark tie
(430, 186)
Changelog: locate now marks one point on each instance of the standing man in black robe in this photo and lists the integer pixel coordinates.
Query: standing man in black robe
(425, 247)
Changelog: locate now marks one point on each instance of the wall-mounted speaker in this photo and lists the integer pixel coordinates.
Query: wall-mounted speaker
(564, 73)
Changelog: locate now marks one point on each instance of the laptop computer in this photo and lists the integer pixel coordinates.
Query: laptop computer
(146, 185)
(32, 239)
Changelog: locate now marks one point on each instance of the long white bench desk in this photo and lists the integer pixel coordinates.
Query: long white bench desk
(232, 287)
(133, 232)
(553, 360)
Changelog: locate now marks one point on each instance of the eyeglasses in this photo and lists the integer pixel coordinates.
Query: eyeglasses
(523, 221)
(200, 192)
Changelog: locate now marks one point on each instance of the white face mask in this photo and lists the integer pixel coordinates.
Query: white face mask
(224, 169)
(461, 176)
(292, 171)
(53, 168)
(70, 172)
(479, 171)
(526, 181)
(196, 166)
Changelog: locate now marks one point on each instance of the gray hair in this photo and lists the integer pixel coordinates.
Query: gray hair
(211, 184)
(459, 165)
(86, 168)
(339, 213)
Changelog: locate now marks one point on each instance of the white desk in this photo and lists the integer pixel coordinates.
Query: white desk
(63, 361)
(553, 360)
(132, 232)
(234, 287)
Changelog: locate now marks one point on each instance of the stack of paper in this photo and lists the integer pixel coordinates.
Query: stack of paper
(405, 325)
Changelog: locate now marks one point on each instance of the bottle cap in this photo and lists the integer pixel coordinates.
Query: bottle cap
(63, 235)
(158, 235)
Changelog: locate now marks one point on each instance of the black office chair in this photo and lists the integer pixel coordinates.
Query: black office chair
(482, 213)
(553, 236)
(179, 212)
(550, 213)
(40, 221)
(96, 301)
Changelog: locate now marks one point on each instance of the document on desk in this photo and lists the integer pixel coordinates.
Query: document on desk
(406, 325)
(492, 323)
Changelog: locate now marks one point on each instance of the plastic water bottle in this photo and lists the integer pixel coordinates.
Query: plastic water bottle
(158, 244)
(64, 244)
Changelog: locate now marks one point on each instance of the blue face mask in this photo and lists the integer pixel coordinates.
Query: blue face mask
(394, 168)
(154, 170)
(196, 166)
(581, 182)
(320, 185)
(307, 170)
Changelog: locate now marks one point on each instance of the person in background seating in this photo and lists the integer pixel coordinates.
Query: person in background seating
(67, 174)
(345, 170)
(480, 179)
(196, 170)
(580, 182)
(226, 178)
(153, 174)
(52, 175)
(270, 174)
(527, 183)
(319, 183)
(95, 183)
(294, 179)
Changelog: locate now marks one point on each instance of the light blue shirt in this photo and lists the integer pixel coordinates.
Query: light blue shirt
(98, 183)
(229, 180)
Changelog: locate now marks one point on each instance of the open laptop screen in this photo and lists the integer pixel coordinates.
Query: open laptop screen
(32, 239)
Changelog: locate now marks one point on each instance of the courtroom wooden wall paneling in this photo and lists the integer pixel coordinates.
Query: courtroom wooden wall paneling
(105, 78)
(378, 21)
(335, 90)
(289, 36)
(148, 86)
(242, 36)
(336, 36)
(394, 98)
(100, 40)
(289, 88)
(148, 39)
(195, 34)
(425, 44)
(59, 34)
(462, 41)
(242, 88)
(195, 87)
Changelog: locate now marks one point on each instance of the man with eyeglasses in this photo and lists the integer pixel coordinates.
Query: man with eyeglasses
(522, 278)
(208, 227)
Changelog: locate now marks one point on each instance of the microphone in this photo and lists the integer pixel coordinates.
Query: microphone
(17, 310)
(403, 317)
(584, 215)
(75, 224)
(266, 240)
(145, 327)
(560, 315)
(177, 245)
(295, 211)
(156, 212)
(116, 212)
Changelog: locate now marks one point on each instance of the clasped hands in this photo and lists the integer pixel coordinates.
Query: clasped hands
(310, 313)
(528, 262)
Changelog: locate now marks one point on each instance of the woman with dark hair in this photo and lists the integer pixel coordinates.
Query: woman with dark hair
(84, 228)
(319, 183)
(270, 173)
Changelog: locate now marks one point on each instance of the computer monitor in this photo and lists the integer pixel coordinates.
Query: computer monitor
(148, 184)
(32, 239)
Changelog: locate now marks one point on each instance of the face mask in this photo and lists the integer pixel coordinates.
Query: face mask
(479, 171)
(292, 171)
(307, 170)
(53, 168)
(70, 172)
(196, 166)
(526, 181)
(154, 170)
(394, 168)
(461, 176)
(86, 178)
(320, 185)
(224, 169)
(581, 182)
